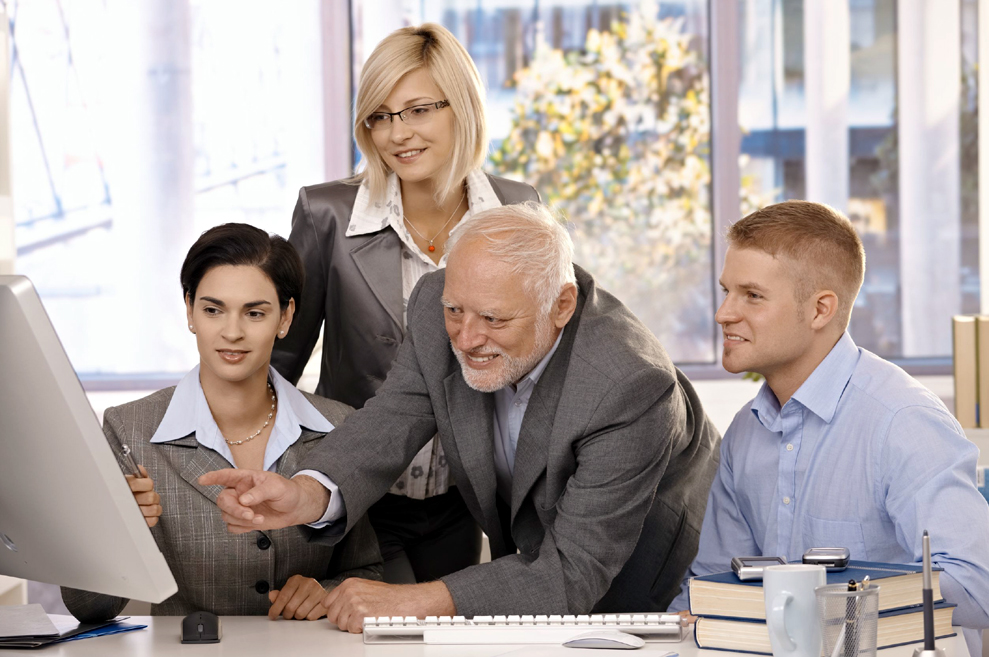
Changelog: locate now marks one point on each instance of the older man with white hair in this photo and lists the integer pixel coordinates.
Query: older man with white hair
(580, 449)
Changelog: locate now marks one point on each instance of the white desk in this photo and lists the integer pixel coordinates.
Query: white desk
(247, 636)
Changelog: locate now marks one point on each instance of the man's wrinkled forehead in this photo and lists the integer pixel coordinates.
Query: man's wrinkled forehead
(477, 280)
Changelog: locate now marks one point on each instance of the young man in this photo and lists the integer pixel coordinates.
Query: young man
(839, 447)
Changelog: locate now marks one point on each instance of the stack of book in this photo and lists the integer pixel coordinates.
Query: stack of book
(970, 354)
(732, 613)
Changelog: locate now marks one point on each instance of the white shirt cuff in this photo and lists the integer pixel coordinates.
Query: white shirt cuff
(335, 509)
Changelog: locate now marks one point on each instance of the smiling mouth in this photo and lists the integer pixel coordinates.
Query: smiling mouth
(481, 359)
(734, 338)
(231, 355)
(405, 155)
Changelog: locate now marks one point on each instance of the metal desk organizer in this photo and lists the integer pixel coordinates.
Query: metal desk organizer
(849, 619)
(458, 630)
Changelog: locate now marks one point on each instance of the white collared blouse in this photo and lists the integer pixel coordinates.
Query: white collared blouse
(428, 474)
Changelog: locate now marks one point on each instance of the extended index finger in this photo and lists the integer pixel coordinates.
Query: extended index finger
(228, 478)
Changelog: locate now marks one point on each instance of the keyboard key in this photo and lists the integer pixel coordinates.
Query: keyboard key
(528, 620)
(432, 620)
(542, 619)
(445, 620)
(370, 620)
(483, 620)
(396, 620)
(638, 619)
(514, 619)
(501, 620)
(459, 620)
(625, 619)
(583, 619)
(411, 620)
(556, 619)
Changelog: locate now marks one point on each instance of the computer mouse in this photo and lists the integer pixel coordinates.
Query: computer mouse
(201, 627)
(612, 639)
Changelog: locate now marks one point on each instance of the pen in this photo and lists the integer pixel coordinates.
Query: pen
(928, 596)
(130, 462)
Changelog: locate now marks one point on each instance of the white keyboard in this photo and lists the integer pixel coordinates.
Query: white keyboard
(457, 630)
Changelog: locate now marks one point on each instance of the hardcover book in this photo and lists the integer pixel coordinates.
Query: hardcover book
(895, 628)
(724, 595)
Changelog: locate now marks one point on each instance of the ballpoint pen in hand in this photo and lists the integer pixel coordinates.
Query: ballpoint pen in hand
(130, 462)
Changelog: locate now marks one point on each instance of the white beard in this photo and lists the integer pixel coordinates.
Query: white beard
(512, 369)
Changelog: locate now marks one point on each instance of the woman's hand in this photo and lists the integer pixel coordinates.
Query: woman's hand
(144, 492)
(301, 598)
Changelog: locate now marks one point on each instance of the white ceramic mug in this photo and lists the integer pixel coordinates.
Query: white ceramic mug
(791, 609)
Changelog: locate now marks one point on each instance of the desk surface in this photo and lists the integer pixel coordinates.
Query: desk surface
(245, 636)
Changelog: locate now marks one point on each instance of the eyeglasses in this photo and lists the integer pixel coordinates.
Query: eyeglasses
(415, 115)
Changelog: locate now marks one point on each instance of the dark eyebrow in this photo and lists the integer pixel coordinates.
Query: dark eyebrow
(249, 304)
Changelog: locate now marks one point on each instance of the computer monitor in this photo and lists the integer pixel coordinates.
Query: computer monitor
(67, 515)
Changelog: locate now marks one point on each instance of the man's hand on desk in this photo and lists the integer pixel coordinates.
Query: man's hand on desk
(354, 598)
(253, 499)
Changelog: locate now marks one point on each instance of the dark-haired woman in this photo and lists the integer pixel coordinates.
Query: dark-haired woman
(233, 409)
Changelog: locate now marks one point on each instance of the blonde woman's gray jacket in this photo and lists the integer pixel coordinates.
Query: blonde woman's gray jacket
(355, 285)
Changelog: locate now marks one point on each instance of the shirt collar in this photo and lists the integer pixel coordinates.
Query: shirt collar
(188, 413)
(532, 378)
(368, 217)
(822, 390)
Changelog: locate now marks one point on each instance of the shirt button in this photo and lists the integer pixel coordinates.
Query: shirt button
(264, 542)
(789, 447)
(262, 587)
(786, 500)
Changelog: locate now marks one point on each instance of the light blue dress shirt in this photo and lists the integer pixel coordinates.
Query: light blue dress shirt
(864, 457)
(188, 412)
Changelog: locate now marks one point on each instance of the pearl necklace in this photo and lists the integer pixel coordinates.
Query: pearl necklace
(432, 248)
(257, 433)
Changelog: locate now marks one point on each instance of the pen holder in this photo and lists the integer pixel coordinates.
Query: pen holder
(849, 620)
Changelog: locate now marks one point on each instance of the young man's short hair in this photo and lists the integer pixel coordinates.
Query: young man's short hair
(820, 246)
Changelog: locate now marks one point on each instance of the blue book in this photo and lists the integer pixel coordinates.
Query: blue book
(724, 595)
(895, 628)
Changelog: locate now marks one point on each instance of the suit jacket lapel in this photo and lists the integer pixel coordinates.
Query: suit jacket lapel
(288, 463)
(535, 434)
(379, 259)
(472, 420)
(537, 426)
(203, 461)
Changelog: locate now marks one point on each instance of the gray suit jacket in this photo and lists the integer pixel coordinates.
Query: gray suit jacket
(215, 570)
(614, 461)
(355, 285)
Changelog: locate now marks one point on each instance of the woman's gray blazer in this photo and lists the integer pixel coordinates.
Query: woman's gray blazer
(216, 571)
(355, 284)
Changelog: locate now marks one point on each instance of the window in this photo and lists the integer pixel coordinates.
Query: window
(135, 127)
(870, 106)
(605, 109)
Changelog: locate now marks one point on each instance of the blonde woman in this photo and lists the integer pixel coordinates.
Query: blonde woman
(367, 241)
